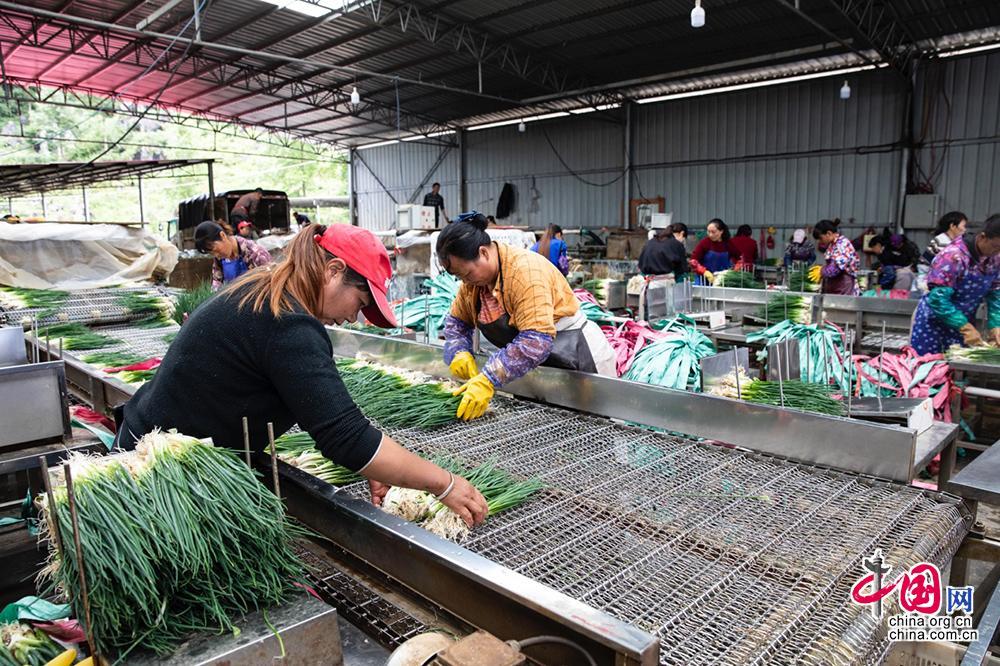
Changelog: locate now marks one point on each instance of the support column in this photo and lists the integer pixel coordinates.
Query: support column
(910, 110)
(463, 199)
(142, 210)
(45, 211)
(211, 192)
(627, 177)
(352, 212)
(86, 205)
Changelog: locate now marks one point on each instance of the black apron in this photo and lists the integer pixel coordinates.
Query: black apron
(570, 350)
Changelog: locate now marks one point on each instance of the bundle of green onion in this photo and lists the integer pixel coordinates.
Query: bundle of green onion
(982, 354)
(737, 279)
(114, 359)
(394, 397)
(500, 489)
(429, 310)
(137, 377)
(23, 644)
(786, 306)
(152, 310)
(822, 356)
(674, 361)
(799, 280)
(177, 537)
(76, 336)
(793, 394)
(298, 449)
(187, 301)
(47, 301)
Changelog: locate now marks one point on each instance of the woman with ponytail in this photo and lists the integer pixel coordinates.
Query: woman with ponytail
(258, 350)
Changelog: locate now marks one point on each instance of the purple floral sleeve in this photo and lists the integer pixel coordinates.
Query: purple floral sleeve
(527, 351)
(216, 275)
(457, 337)
(563, 264)
(254, 254)
(949, 265)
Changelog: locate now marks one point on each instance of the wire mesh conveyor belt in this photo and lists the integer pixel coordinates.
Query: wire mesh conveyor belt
(729, 557)
(86, 306)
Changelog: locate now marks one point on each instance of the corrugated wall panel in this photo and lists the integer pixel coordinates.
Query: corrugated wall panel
(964, 133)
(785, 155)
(401, 168)
(547, 192)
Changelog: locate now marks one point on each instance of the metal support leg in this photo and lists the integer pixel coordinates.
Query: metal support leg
(142, 211)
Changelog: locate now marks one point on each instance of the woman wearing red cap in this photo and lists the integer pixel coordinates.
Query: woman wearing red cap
(258, 349)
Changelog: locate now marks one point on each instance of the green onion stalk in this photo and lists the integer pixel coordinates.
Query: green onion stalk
(981, 354)
(77, 336)
(151, 310)
(115, 359)
(178, 537)
(299, 450)
(598, 289)
(398, 398)
(48, 302)
(501, 490)
(786, 306)
(188, 301)
(737, 279)
(793, 394)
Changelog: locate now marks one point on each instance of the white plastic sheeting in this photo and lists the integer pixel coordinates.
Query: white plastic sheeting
(80, 256)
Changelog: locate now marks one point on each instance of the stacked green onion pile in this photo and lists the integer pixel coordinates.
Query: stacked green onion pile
(673, 361)
(737, 279)
(598, 289)
(428, 310)
(299, 450)
(982, 354)
(822, 356)
(151, 310)
(792, 394)
(76, 336)
(501, 491)
(188, 300)
(394, 397)
(786, 306)
(48, 302)
(177, 537)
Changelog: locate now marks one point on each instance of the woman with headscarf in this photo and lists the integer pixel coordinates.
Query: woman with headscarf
(799, 249)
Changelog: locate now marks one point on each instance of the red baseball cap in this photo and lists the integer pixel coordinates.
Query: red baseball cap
(365, 254)
(242, 224)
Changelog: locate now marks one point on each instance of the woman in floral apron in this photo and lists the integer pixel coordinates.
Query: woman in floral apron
(962, 275)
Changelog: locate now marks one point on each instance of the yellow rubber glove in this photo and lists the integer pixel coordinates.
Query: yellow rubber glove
(970, 336)
(995, 337)
(476, 395)
(815, 274)
(709, 276)
(463, 366)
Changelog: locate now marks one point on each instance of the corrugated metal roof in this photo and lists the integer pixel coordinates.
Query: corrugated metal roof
(528, 48)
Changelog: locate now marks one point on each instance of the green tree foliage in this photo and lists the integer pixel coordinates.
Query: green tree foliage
(41, 133)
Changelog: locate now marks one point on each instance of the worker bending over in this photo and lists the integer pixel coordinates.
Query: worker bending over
(522, 304)
(962, 275)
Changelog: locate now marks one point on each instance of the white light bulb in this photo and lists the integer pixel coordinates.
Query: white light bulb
(697, 15)
(845, 91)
(355, 96)
(521, 126)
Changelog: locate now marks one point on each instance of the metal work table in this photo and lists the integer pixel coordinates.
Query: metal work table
(960, 370)
(980, 480)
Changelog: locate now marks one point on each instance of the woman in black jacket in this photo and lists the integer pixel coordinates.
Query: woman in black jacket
(258, 349)
(665, 253)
